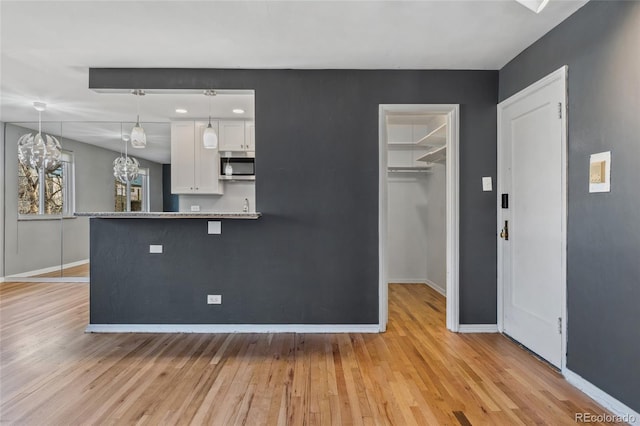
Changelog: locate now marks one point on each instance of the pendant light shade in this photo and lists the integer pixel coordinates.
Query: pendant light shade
(209, 136)
(39, 151)
(138, 136)
(125, 168)
(46, 152)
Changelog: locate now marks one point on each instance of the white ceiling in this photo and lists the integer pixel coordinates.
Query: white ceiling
(47, 47)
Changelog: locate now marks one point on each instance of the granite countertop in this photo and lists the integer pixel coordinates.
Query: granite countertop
(172, 215)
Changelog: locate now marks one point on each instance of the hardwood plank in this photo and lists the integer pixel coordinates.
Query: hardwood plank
(415, 373)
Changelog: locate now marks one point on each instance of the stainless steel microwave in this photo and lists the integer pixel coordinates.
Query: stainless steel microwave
(237, 168)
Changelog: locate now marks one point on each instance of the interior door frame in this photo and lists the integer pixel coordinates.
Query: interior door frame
(562, 75)
(452, 112)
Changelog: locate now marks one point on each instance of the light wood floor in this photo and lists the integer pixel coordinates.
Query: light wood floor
(416, 373)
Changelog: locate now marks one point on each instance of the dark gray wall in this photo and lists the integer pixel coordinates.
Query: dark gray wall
(600, 43)
(314, 254)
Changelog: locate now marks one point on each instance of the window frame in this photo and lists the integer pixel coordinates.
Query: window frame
(68, 192)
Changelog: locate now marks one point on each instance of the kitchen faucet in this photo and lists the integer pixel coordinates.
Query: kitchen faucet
(246, 205)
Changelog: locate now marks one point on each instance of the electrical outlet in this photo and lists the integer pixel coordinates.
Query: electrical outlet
(195, 208)
(214, 227)
(214, 299)
(155, 248)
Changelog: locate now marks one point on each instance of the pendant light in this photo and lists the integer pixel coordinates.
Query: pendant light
(209, 136)
(42, 152)
(125, 168)
(138, 137)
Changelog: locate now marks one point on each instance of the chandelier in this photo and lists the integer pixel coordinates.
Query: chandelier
(42, 152)
(125, 168)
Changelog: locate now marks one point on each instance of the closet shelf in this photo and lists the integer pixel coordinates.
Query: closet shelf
(408, 145)
(435, 155)
(413, 169)
(437, 137)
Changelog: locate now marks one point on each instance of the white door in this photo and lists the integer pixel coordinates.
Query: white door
(531, 170)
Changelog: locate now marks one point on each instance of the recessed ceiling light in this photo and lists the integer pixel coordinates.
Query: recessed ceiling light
(238, 111)
(181, 110)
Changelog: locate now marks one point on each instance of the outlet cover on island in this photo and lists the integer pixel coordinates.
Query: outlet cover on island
(214, 299)
(155, 248)
(214, 227)
(195, 208)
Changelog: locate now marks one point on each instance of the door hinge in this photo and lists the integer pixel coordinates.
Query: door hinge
(559, 325)
(560, 110)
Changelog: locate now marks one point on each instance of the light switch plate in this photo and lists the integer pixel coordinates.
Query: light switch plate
(195, 208)
(487, 184)
(214, 299)
(155, 248)
(600, 172)
(214, 227)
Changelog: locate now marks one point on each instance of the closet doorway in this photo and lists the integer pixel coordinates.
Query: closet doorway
(418, 202)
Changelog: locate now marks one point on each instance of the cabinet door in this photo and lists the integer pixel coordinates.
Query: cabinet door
(207, 163)
(250, 136)
(182, 157)
(231, 136)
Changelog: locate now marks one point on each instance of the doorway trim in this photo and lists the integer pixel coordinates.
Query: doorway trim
(560, 74)
(452, 111)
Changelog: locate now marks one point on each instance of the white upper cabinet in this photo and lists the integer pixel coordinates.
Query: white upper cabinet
(250, 136)
(194, 169)
(237, 135)
(232, 135)
(207, 164)
(182, 157)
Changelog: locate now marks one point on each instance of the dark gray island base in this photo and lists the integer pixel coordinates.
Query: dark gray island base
(267, 283)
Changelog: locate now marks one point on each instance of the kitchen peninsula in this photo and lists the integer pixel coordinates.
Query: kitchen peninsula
(182, 270)
(156, 272)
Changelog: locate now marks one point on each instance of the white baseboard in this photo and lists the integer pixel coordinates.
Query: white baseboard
(478, 328)
(626, 414)
(406, 280)
(50, 279)
(233, 328)
(49, 269)
(431, 284)
(2, 279)
(436, 287)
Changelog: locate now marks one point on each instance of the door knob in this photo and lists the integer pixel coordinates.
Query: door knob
(504, 234)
